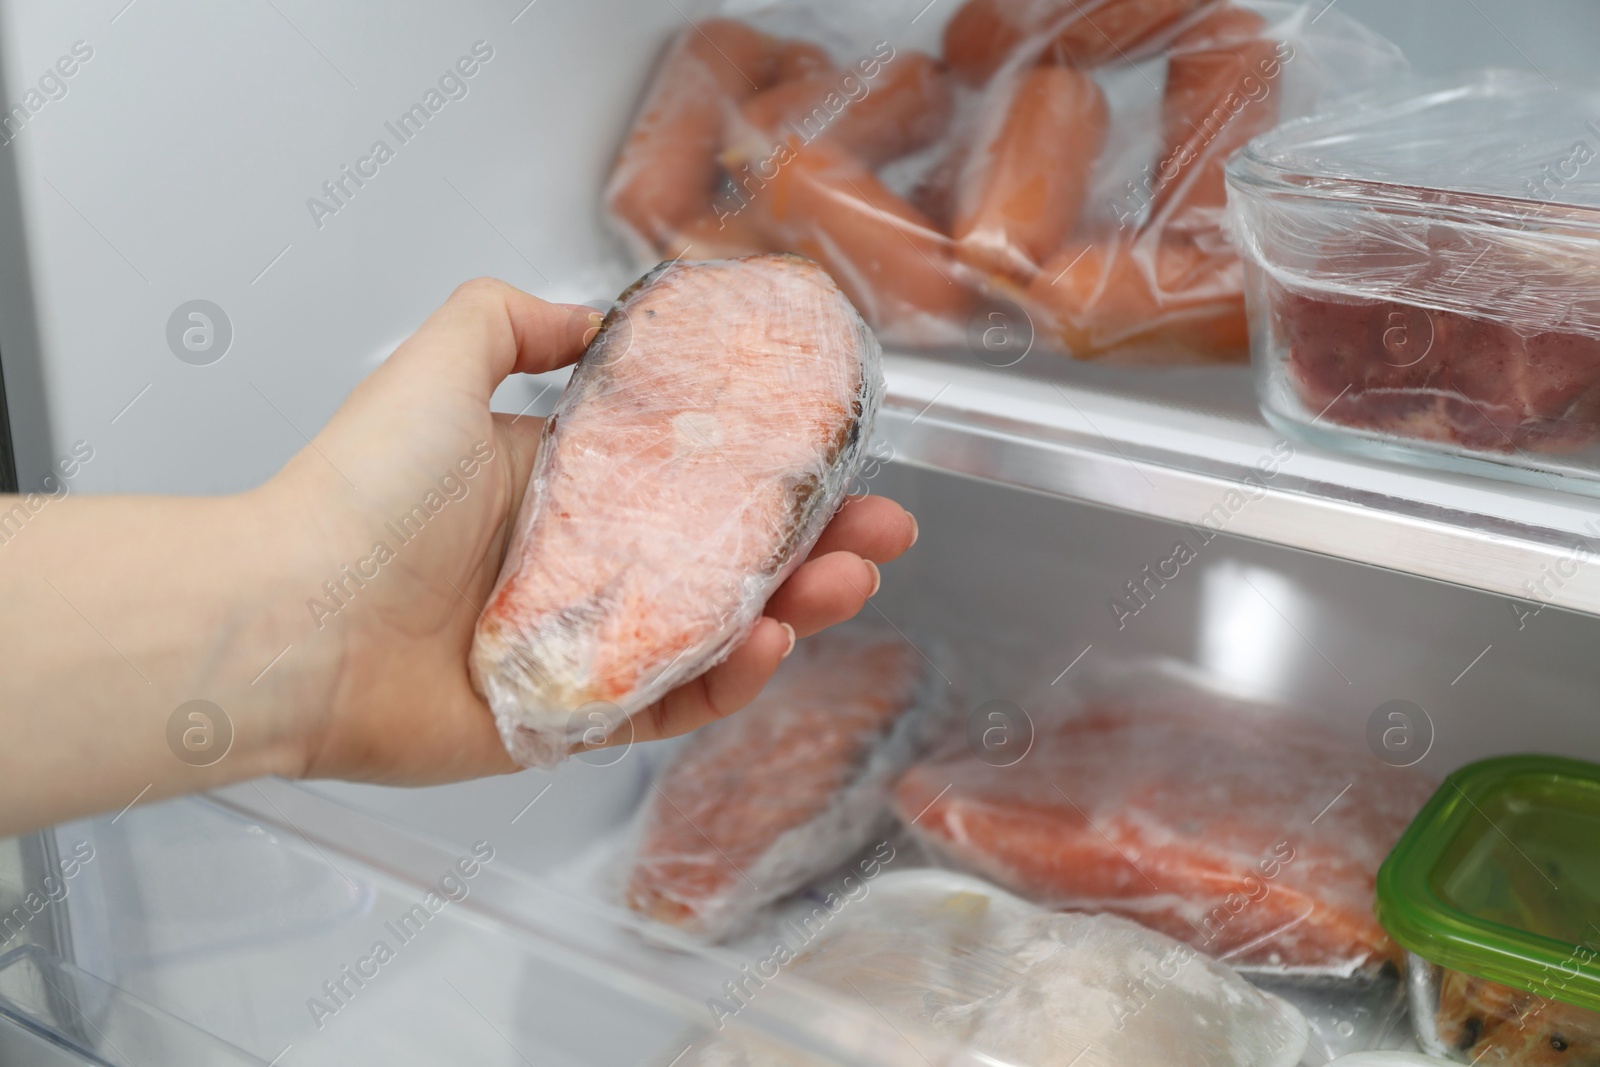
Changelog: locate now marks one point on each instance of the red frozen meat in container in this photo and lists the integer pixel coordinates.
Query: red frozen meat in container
(1421, 269)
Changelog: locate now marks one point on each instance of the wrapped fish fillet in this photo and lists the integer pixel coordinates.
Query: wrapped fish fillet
(943, 956)
(705, 439)
(1248, 832)
(764, 801)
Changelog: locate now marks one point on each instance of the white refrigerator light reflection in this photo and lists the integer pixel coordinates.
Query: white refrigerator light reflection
(1251, 621)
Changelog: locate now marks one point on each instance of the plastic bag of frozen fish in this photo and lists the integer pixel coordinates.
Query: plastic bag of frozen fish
(1251, 831)
(707, 435)
(948, 960)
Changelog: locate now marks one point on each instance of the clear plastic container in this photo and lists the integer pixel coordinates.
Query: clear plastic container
(1420, 271)
(1494, 891)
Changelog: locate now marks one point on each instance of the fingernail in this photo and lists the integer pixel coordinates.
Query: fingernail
(790, 631)
(916, 531)
(877, 577)
(595, 318)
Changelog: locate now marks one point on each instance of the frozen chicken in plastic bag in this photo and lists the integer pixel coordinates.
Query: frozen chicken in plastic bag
(1061, 157)
(758, 804)
(1249, 833)
(704, 440)
(945, 958)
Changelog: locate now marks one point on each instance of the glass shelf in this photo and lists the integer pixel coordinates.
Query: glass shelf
(1188, 445)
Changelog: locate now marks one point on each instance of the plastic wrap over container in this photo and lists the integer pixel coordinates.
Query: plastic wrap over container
(706, 437)
(1495, 893)
(1047, 168)
(762, 802)
(1252, 833)
(1422, 269)
(940, 955)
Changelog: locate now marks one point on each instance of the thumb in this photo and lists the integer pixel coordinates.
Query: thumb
(488, 330)
(521, 435)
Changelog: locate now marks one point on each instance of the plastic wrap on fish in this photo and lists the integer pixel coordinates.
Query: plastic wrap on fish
(949, 960)
(1249, 832)
(760, 803)
(706, 437)
(1059, 162)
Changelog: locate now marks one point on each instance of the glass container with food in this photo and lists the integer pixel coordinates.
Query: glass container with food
(1421, 276)
(1494, 892)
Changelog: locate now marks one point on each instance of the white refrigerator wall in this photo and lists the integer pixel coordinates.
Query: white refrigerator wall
(176, 164)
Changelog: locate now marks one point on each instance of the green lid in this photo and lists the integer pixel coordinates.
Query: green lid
(1499, 877)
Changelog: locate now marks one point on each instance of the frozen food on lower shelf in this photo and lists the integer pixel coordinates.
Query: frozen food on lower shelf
(1018, 173)
(706, 437)
(945, 956)
(760, 803)
(1470, 1015)
(1249, 832)
(1344, 1015)
(1418, 290)
(1494, 891)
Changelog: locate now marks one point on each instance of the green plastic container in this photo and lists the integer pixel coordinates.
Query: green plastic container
(1494, 892)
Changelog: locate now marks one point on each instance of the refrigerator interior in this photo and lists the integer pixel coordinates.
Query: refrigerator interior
(176, 165)
(230, 913)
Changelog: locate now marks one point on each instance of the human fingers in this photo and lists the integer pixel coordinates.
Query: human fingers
(823, 591)
(488, 330)
(722, 690)
(873, 527)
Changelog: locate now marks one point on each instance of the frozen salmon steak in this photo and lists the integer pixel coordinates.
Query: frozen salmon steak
(1251, 833)
(760, 803)
(704, 440)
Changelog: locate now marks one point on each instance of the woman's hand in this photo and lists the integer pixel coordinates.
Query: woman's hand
(406, 500)
(320, 625)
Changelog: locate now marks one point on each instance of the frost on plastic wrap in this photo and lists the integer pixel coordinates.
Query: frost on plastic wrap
(706, 437)
(759, 803)
(1064, 157)
(939, 955)
(1423, 268)
(1251, 833)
